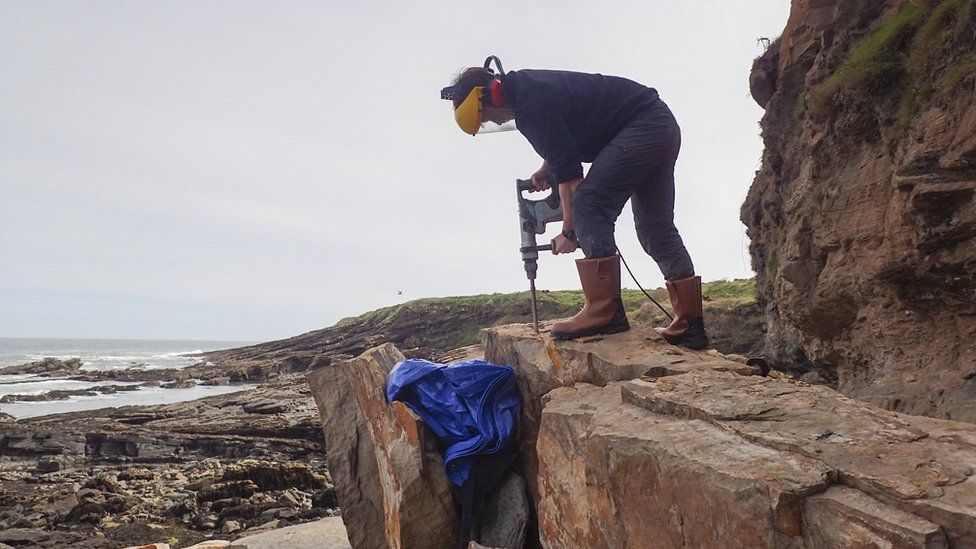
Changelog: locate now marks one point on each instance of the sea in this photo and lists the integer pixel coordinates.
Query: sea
(103, 354)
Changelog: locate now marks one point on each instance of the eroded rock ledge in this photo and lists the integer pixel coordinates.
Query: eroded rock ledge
(627, 441)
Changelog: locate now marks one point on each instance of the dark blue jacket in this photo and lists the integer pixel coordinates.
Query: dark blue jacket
(569, 117)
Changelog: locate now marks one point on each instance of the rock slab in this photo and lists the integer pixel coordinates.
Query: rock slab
(328, 533)
(388, 472)
(698, 453)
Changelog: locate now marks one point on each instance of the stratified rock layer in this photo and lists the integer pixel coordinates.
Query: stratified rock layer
(863, 215)
(699, 453)
(389, 475)
(550, 364)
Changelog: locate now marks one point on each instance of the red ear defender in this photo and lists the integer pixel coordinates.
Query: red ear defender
(497, 93)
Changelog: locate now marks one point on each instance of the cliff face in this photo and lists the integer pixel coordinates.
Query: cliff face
(863, 216)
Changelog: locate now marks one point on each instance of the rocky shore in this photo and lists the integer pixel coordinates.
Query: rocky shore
(229, 466)
(222, 466)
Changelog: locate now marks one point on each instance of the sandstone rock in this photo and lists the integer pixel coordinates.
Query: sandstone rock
(389, 474)
(328, 533)
(544, 364)
(231, 489)
(180, 384)
(264, 407)
(24, 441)
(23, 536)
(843, 517)
(862, 218)
(701, 456)
(48, 465)
(210, 544)
(762, 78)
(612, 474)
(274, 476)
(47, 367)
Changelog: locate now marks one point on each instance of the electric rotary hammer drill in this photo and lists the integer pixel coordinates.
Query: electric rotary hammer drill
(533, 217)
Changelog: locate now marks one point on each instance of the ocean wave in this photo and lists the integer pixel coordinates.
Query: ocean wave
(179, 354)
(145, 395)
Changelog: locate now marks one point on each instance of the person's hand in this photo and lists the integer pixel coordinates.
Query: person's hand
(539, 180)
(563, 245)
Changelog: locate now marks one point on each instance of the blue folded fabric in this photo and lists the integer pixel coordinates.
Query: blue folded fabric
(472, 407)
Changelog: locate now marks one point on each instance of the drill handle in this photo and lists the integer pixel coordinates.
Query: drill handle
(527, 185)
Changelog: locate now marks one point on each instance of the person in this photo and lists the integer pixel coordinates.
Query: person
(631, 139)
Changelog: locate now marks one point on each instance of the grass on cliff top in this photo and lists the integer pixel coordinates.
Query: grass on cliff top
(740, 291)
(459, 319)
(923, 38)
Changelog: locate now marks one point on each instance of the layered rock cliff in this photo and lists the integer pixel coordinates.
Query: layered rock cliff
(863, 215)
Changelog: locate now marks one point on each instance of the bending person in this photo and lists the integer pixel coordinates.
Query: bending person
(632, 140)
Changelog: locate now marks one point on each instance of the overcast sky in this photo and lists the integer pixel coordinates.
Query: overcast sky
(254, 170)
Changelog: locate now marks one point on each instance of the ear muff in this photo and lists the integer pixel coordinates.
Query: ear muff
(496, 93)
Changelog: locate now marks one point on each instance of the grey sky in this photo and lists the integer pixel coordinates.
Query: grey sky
(253, 170)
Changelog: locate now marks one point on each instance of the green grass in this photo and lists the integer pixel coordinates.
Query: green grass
(958, 71)
(876, 62)
(772, 266)
(450, 322)
(742, 290)
(905, 59)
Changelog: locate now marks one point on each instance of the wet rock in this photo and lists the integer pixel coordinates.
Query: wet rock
(274, 476)
(264, 407)
(87, 512)
(221, 490)
(326, 499)
(48, 465)
(24, 441)
(23, 536)
(180, 384)
(389, 474)
(46, 367)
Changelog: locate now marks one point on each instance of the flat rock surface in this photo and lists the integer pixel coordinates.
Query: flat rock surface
(328, 533)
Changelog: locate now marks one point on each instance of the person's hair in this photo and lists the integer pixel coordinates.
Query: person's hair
(470, 78)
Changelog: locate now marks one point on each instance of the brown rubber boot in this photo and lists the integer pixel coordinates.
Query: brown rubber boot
(688, 326)
(603, 312)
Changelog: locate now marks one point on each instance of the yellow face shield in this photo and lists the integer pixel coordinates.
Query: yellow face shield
(470, 115)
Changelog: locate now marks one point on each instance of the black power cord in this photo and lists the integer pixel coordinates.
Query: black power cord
(641, 287)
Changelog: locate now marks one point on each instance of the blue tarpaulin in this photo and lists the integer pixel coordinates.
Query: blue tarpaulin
(472, 407)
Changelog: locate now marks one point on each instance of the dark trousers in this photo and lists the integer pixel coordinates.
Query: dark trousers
(637, 164)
